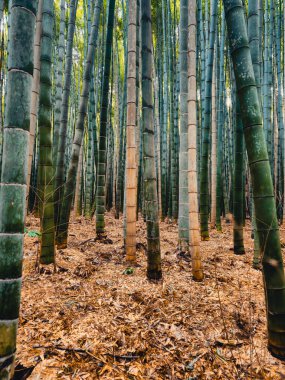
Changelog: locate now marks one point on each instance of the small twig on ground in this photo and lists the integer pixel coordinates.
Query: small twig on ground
(87, 241)
(123, 357)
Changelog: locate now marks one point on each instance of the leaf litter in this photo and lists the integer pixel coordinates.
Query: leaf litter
(97, 318)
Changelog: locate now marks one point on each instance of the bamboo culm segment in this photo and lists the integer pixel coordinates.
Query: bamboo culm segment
(220, 117)
(35, 92)
(183, 219)
(77, 141)
(238, 208)
(265, 209)
(62, 134)
(45, 166)
(14, 175)
(204, 175)
(150, 191)
(59, 76)
(194, 232)
(102, 158)
(131, 159)
(254, 13)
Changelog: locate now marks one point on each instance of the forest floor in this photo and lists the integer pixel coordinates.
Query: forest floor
(92, 320)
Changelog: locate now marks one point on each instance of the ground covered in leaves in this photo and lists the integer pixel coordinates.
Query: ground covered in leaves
(94, 318)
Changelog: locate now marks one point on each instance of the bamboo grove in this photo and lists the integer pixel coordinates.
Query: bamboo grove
(158, 110)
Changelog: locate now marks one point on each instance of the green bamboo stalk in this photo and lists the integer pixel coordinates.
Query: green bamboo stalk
(90, 135)
(92, 132)
(77, 141)
(110, 167)
(120, 173)
(150, 193)
(59, 77)
(138, 126)
(1, 9)
(204, 177)
(183, 221)
(220, 101)
(45, 165)
(215, 93)
(164, 128)
(255, 50)
(89, 169)
(206, 23)
(14, 175)
(238, 198)
(173, 141)
(267, 109)
(201, 115)
(60, 162)
(2, 76)
(266, 218)
(101, 175)
(78, 186)
(157, 138)
(280, 120)
(35, 91)
(270, 121)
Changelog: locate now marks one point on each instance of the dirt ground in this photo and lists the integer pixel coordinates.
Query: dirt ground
(92, 319)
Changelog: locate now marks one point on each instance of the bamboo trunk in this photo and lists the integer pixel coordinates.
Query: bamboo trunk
(150, 194)
(183, 220)
(131, 159)
(78, 136)
(266, 218)
(214, 152)
(13, 184)
(45, 165)
(101, 175)
(194, 233)
(204, 176)
(35, 94)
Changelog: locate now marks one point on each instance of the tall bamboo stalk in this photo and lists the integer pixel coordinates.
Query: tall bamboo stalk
(14, 175)
(59, 76)
(194, 233)
(60, 161)
(183, 220)
(102, 161)
(221, 179)
(131, 163)
(164, 127)
(214, 150)
(266, 218)
(254, 14)
(150, 194)
(35, 91)
(204, 176)
(1, 9)
(77, 141)
(238, 198)
(45, 165)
